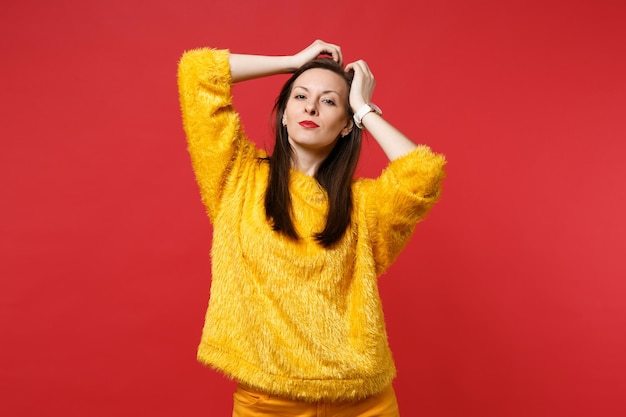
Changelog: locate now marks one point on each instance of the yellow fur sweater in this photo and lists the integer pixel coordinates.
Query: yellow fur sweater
(289, 317)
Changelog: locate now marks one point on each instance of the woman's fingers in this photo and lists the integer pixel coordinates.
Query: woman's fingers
(329, 49)
(318, 48)
(362, 85)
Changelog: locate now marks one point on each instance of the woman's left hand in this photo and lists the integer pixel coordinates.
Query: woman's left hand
(362, 85)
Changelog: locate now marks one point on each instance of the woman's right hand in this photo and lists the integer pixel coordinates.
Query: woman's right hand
(316, 49)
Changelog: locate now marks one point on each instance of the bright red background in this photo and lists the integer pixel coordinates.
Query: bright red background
(510, 299)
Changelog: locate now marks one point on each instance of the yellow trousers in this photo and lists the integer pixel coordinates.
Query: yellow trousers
(249, 403)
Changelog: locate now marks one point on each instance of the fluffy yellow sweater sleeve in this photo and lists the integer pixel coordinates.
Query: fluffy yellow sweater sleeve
(290, 317)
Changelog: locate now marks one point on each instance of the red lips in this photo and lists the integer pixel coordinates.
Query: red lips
(308, 124)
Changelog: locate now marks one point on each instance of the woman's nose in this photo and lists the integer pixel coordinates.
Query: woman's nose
(310, 108)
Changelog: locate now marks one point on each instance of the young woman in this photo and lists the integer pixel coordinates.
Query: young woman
(298, 244)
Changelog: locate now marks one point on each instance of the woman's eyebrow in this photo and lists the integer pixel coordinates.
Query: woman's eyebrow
(323, 92)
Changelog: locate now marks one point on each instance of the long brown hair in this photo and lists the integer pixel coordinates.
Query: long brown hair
(335, 173)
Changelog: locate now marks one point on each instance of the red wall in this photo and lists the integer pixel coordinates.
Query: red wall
(510, 299)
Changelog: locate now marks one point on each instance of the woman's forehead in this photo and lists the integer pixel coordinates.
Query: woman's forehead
(320, 79)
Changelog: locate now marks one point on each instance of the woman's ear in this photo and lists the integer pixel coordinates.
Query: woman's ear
(284, 120)
(346, 130)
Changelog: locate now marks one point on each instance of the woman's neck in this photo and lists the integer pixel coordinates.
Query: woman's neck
(306, 167)
(308, 161)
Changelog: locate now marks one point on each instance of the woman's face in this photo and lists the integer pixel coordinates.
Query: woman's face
(315, 114)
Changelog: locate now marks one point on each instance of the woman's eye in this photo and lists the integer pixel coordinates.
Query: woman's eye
(329, 101)
(299, 96)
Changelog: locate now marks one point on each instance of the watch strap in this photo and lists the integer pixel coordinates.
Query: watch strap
(362, 111)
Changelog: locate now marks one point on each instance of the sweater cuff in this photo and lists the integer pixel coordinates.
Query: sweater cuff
(210, 65)
(419, 172)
